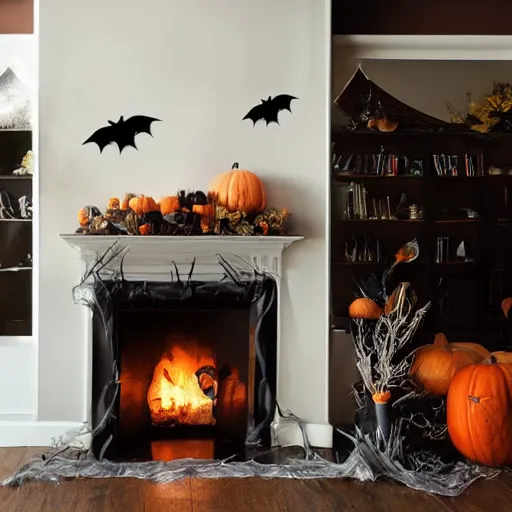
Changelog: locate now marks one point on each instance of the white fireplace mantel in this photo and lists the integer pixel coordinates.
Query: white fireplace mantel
(152, 258)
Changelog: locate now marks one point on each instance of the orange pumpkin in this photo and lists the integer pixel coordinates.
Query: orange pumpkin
(83, 217)
(239, 190)
(479, 412)
(125, 203)
(506, 304)
(435, 365)
(114, 203)
(364, 308)
(169, 204)
(145, 229)
(206, 210)
(143, 204)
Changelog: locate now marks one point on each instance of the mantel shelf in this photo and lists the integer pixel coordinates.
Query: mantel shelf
(152, 257)
(426, 47)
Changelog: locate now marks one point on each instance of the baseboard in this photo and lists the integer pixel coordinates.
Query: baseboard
(37, 433)
(289, 434)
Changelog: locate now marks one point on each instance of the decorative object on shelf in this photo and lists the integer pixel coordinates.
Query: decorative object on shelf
(25, 207)
(479, 410)
(121, 133)
(269, 109)
(15, 106)
(506, 305)
(193, 213)
(492, 114)
(6, 209)
(26, 168)
(443, 249)
(382, 124)
(435, 365)
(239, 190)
(495, 171)
(363, 101)
(363, 250)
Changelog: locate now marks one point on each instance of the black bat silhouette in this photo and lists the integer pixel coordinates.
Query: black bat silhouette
(270, 108)
(122, 133)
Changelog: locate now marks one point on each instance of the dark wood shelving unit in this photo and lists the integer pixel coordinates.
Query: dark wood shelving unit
(16, 239)
(465, 294)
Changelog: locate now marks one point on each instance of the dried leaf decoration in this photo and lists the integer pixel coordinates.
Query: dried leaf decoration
(491, 114)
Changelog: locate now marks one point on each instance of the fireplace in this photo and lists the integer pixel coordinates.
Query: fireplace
(184, 358)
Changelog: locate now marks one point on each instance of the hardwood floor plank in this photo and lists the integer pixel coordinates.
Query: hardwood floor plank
(173, 497)
(10, 460)
(378, 497)
(484, 495)
(247, 494)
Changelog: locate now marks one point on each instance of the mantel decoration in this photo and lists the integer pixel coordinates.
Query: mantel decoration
(235, 205)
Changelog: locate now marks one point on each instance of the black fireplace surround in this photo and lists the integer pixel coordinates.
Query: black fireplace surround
(119, 306)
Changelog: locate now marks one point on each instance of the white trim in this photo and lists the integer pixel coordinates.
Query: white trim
(426, 47)
(320, 435)
(36, 433)
(35, 212)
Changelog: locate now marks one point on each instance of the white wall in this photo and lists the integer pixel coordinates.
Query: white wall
(198, 65)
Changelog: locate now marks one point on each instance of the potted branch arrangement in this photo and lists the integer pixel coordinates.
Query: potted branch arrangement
(383, 325)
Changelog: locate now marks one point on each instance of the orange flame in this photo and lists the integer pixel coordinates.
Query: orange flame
(175, 395)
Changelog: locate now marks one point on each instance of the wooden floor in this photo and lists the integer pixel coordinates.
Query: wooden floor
(240, 495)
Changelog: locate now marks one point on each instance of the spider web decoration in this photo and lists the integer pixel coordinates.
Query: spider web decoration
(371, 457)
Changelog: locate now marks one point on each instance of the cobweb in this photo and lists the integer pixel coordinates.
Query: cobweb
(370, 458)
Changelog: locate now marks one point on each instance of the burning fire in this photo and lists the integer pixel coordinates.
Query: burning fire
(183, 389)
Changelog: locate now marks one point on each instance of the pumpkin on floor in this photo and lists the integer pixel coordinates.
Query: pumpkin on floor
(364, 308)
(239, 190)
(143, 204)
(479, 411)
(435, 365)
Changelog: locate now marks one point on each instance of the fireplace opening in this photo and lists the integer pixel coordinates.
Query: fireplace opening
(183, 370)
(183, 376)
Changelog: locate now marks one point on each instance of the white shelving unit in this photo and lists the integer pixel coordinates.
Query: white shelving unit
(19, 353)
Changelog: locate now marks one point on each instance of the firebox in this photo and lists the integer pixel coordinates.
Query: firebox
(183, 369)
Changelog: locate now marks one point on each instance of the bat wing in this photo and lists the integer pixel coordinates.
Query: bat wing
(102, 137)
(139, 124)
(283, 102)
(257, 113)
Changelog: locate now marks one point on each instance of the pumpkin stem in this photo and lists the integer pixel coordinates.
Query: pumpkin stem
(235, 166)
